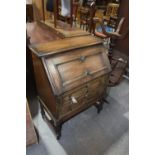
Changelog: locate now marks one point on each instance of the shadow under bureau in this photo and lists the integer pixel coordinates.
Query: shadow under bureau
(71, 75)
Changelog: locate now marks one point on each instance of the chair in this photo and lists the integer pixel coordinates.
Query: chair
(66, 10)
(91, 16)
(111, 11)
(107, 31)
(75, 11)
(117, 59)
(63, 10)
(86, 17)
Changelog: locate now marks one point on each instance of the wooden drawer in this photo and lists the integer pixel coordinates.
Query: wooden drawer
(83, 95)
(76, 93)
(97, 87)
(73, 100)
(93, 88)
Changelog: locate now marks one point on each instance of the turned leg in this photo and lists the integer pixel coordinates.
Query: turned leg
(58, 130)
(99, 106)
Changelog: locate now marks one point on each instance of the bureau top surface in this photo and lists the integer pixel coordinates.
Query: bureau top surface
(40, 33)
(58, 46)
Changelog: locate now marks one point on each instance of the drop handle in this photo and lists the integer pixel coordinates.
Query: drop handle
(82, 58)
(87, 73)
(73, 99)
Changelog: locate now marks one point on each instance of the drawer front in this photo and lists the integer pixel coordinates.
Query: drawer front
(87, 94)
(93, 88)
(77, 67)
(73, 100)
(78, 94)
(96, 88)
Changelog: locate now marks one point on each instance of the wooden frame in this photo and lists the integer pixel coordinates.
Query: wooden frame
(56, 12)
(40, 12)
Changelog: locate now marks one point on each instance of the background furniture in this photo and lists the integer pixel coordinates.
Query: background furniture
(112, 10)
(123, 44)
(49, 8)
(119, 62)
(29, 11)
(92, 12)
(42, 12)
(101, 30)
(86, 16)
(117, 59)
(57, 12)
(38, 10)
(75, 11)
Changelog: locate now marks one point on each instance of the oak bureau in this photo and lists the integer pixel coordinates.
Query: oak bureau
(71, 73)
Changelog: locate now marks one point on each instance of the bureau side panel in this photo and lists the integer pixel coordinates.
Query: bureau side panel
(43, 86)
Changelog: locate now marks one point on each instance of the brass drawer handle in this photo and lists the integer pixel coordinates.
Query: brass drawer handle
(73, 99)
(87, 73)
(82, 58)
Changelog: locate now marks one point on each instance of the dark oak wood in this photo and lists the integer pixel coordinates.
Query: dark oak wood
(71, 74)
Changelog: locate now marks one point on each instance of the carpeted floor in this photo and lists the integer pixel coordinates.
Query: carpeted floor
(88, 133)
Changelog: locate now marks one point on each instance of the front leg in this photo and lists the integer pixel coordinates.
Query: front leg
(58, 130)
(57, 127)
(99, 106)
